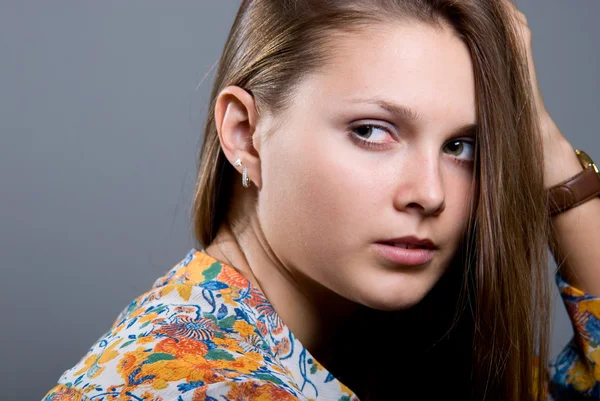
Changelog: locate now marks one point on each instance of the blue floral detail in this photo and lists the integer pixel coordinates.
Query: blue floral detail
(190, 386)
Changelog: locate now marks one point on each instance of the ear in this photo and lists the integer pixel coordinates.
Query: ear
(236, 119)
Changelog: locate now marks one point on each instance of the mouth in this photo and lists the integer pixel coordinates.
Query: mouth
(407, 251)
(410, 242)
(404, 245)
(404, 254)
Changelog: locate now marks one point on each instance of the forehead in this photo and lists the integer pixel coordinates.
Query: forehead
(427, 68)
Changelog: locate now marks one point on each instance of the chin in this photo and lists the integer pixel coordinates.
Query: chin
(392, 301)
(393, 298)
(390, 305)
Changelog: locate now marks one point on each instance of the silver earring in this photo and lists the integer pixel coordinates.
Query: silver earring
(245, 179)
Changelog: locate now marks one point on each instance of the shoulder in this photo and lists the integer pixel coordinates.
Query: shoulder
(192, 333)
(228, 390)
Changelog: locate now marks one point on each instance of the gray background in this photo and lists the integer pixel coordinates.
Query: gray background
(101, 110)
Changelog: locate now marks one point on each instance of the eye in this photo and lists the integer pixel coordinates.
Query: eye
(371, 136)
(371, 132)
(462, 149)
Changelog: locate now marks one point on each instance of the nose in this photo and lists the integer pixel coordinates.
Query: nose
(421, 186)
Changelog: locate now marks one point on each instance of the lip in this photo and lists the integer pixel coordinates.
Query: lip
(411, 240)
(404, 256)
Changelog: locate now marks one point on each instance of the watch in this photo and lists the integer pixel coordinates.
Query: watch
(575, 190)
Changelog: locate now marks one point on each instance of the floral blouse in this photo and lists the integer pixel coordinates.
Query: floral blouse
(203, 332)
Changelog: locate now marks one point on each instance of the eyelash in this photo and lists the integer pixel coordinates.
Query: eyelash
(381, 146)
(368, 144)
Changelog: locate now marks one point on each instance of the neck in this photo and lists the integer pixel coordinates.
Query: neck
(313, 313)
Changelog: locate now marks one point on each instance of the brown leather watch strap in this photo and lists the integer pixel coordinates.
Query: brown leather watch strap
(574, 191)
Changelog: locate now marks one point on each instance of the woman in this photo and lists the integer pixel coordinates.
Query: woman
(391, 220)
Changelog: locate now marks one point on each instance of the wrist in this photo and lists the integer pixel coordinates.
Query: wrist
(561, 162)
(577, 189)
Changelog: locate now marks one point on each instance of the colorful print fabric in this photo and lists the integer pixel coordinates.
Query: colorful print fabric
(576, 372)
(203, 332)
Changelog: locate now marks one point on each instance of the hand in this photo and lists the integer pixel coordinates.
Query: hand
(560, 161)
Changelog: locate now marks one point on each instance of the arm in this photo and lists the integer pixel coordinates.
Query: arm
(576, 232)
(575, 245)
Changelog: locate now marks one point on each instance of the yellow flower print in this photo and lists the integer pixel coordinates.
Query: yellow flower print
(87, 364)
(112, 392)
(189, 368)
(110, 353)
(92, 363)
(194, 271)
(580, 377)
(118, 328)
(182, 346)
(160, 384)
(591, 305)
(572, 291)
(255, 356)
(136, 313)
(258, 392)
(279, 369)
(184, 290)
(201, 261)
(595, 357)
(247, 363)
(64, 394)
(229, 344)
(130, 361)
(147, 396)
(229, 295)
(148, 317)
(244, 329)
(145, 340)
(166, 290)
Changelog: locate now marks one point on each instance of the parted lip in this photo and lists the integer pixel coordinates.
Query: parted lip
(411, 240)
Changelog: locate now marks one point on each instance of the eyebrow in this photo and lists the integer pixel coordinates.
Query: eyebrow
(409, 114)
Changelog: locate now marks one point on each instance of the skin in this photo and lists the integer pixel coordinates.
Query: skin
(319, 201)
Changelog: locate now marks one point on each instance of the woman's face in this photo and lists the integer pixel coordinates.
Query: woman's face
(350, 166)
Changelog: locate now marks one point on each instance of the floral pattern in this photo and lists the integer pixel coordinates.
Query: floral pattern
(576, 372)
(203, 332)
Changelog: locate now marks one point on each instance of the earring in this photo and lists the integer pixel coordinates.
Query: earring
(245, 179)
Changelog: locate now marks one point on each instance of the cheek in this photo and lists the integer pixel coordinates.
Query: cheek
(459, 197)
(313, 201)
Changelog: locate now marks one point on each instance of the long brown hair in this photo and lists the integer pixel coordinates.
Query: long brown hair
(503, 300)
